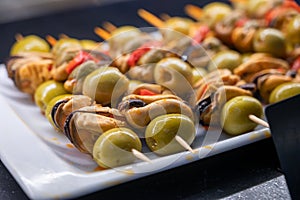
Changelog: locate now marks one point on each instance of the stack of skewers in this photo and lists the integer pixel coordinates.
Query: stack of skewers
(215, 69)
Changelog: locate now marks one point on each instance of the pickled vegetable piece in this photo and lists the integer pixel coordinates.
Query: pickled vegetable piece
(235, 114)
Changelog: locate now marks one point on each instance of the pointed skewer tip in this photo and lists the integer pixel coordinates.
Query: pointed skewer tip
(259, 121)
(184, 144)
(140, 155)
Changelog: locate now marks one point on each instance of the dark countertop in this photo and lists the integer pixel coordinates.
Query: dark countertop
(249, 172)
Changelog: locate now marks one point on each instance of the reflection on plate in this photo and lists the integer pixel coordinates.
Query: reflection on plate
(46, 164)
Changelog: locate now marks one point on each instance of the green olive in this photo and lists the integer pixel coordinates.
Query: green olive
(198, 74)
(47, 91)
(89, 44)
(50, 106)
(246, 57)
(179, 24)
(292, 30)
(284, 91)
(105, 85)
(30, 43)
(124, 29)
(235, 114)
(176, 29)
(113, 148)
(122, 35)
(62, 44)
(75, 80)
(258, 8)
(215, 12)
(270, 40)
(227, 59)
(161, 131)
(175, 74)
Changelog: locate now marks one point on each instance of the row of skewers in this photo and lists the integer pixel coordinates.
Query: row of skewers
(216, 68)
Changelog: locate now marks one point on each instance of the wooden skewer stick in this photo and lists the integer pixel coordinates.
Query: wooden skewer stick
(165, 16)
(238, 1)
(109, 26)
(259, 121)
(19, 37)
(184, 144)
(102, 33)
(193, 11)
(150, 18)
(51, 40)
(140, 155)
(62, 35)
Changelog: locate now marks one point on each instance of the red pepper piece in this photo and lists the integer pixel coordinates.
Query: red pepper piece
(50, 67)
(136, 55)
(139, 52)
(80, 58)
(200, 34)
(241, 22)
(145, 92)
(291, 4)
(204, 90)
(296, 64)
(284, 7)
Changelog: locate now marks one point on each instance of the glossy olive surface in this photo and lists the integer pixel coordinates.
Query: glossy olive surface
(174, 74)
(89, 44)
(104, 84)
(284, 91)
(64, 43)
(293, 30)
(228, 59)
(257, 8)
(179, 24)
(30, 43)
(198, 74)
(270, 40)
(235, 114)
(47, 91)
(161, 131)
(215, 12)
(123, 35)
(113, 148)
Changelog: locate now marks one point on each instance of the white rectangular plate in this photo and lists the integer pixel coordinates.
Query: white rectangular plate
(47, 166)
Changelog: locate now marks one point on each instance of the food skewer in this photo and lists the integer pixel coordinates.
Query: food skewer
(259, 121)
(51, 40)
(140, 155)
(105, 35)
(19, 37)
(165, 16)
(184, 144)
(109, 26)
(150, 18)
(62, 35)
(193, 11)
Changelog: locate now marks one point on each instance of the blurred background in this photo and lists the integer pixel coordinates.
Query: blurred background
(13, 10)
(76, 18)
